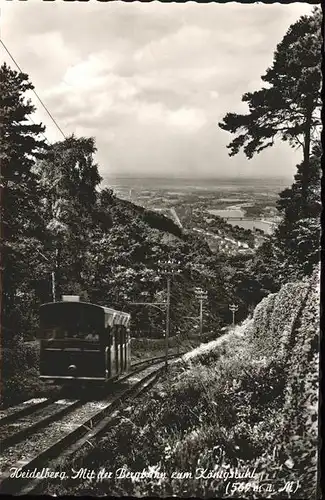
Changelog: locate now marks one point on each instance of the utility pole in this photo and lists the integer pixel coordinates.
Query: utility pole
(56, 275)
(234, 309)
(201, 319)
(53, 286)
(201, 295)
(53, 283)
(167, 321)
(170, 267)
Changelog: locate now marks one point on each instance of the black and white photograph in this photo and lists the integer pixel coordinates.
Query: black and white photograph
(160, 226)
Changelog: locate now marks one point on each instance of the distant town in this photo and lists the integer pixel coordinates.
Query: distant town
(233, 216)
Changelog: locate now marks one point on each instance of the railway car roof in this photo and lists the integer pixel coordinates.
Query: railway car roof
(112, 316)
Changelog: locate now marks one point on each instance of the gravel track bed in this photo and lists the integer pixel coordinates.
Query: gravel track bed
(14, 409)
(49, 486)
(28, 420)
(41, 440)
(139, 376)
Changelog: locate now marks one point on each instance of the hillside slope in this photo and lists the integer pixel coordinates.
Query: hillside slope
(236, 417)
(129, 262)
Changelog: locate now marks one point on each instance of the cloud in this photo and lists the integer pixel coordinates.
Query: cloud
(151, 81)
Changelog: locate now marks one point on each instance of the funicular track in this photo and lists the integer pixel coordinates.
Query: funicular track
(36, 433)
(11, 416)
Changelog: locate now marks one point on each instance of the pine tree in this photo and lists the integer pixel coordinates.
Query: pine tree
(289, 105)
(293, 202)
(297, 238)
(21, 224)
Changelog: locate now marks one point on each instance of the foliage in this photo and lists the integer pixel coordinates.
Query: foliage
(159, 221)
(19, 373)
(289, 108)
(293, 250)
(69, 178)
(22, 226)
(297, 237)
(289, 203)
(289, 105)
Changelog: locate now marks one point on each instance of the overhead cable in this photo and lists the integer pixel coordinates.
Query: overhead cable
(34, 91)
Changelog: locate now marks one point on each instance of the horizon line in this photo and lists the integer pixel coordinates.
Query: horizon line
(143, 176)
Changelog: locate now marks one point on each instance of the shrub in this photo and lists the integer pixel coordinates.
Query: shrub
(19, 372)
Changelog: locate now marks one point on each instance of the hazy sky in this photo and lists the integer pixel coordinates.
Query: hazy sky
(150, 81)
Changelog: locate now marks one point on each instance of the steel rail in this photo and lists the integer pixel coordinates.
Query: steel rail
(13, 418)
(15, 437)
(33, 487)
(23, 411)
(158, 358)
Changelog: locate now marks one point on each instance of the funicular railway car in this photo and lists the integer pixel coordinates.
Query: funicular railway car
(82, 341)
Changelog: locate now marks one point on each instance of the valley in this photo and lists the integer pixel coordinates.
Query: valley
(233, 215)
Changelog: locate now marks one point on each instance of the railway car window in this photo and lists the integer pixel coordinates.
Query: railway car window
(69, 333)
(75, 321)
(50, 333)
(92, 336)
